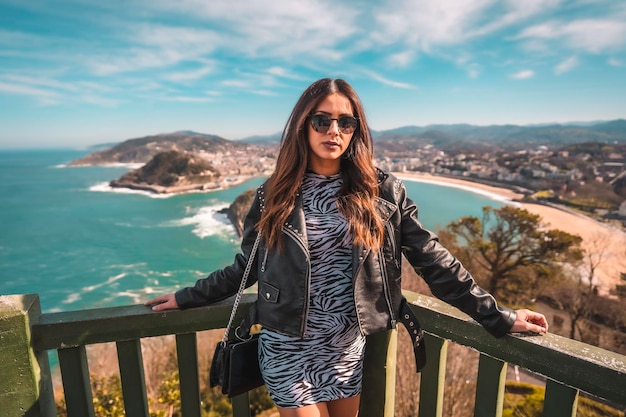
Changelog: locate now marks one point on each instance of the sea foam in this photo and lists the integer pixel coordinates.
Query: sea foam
(104, 187)
(207, 221)
(109, 281)
(129, 165)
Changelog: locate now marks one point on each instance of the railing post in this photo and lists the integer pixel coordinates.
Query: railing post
(490, 387)
(26, 385)
(432, 382)
(379, 375)
(560, 400)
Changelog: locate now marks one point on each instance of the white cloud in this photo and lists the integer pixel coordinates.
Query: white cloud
(51, 91)
(283, 73)
(280, 28)
(155, 46)
(186, 76)
(43, 96)
(589, 35)
(615, 62)
(402, 59)
(263, 93)
(428, 23)
(386, 81)
(39, 81)
(236, 83)
(473, 70)
(98, 100)
(278, 71)
(523, 75)
(514, 12)
(566, 65)
(187, 99)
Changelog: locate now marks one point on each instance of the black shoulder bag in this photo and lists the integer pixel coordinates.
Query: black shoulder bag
(235, 365)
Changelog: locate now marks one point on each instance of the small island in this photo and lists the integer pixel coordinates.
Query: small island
(176, 172)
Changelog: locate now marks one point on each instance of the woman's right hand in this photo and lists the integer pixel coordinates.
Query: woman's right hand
(163, 302)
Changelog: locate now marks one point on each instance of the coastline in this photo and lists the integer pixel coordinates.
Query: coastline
(596, 236)
(220, 184)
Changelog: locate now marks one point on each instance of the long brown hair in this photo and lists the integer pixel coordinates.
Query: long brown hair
(357, 198)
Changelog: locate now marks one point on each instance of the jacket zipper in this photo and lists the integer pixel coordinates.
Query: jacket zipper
(392, 319)
(307, 288)
(264, 260)
(392, 243)
(362, 253)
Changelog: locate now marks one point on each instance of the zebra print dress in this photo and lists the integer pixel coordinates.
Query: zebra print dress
(327, 363)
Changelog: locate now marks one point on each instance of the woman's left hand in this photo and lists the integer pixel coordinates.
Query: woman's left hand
(529, 321)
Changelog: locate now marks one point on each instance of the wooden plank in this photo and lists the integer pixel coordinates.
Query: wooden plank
(379, 375)
(560, 401)
(112, 324)
(433, 377)
(241, 405)
(76, 384)
(132, 376)
(490, 387)
(187, 353)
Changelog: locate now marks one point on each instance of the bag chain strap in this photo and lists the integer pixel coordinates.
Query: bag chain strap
(242, 286)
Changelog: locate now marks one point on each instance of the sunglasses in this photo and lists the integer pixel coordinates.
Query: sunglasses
(345, 124)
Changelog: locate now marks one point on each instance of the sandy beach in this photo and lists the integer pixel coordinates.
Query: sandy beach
(597, 237)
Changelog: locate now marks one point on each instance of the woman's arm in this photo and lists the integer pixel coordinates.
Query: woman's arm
(451, 282)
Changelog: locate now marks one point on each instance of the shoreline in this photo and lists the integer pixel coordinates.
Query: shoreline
(596, 236)
(222, 183)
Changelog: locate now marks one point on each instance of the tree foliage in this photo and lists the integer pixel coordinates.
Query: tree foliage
(108, 400)
(526, 400)
(510, 251)
(166, 168)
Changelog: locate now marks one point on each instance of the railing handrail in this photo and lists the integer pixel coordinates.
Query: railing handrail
(114, 324)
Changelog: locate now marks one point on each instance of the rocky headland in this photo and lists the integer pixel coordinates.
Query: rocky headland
(237, 211)
(184, 161)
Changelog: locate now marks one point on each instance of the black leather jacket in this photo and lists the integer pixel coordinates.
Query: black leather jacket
(283, 277)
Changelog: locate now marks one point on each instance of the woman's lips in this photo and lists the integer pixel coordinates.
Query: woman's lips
(331, 145)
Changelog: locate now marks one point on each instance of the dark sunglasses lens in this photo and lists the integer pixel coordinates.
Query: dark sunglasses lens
(320, 123)
(347, 124)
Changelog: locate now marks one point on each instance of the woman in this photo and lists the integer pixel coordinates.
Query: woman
(333, 231)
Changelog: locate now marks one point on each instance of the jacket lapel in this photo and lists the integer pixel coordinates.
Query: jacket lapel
(359, 252)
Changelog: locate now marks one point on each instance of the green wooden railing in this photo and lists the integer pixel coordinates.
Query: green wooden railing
(26, 336)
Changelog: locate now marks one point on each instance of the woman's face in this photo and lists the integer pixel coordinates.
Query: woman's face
(326, 148)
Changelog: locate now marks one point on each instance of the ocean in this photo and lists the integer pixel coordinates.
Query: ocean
(67, 236)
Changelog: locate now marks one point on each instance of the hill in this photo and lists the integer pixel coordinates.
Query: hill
(484, 138)
(445, 137)
(141, 150)
(510, 137)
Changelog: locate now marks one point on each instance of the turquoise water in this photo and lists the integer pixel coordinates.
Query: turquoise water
(78, 244)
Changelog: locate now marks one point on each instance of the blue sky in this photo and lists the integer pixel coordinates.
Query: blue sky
(82, 72)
